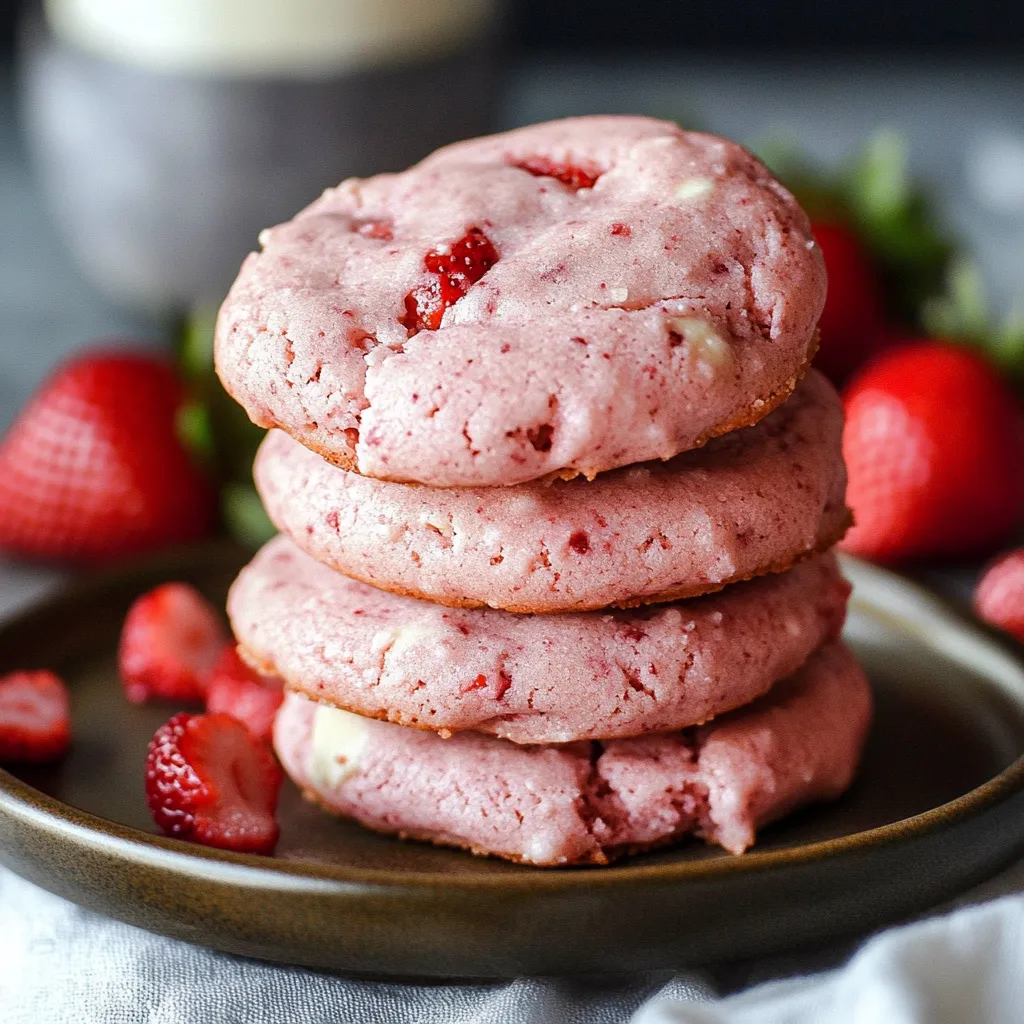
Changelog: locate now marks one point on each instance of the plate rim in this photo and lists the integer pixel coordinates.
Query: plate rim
(21, 800)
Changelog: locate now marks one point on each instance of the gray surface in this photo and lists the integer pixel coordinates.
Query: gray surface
(950, 110)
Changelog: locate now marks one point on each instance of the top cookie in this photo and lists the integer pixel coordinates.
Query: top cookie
(565, 298)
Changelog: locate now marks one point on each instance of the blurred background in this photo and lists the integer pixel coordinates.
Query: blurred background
(144, 143)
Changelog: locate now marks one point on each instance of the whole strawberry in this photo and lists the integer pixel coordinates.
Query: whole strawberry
(999, 598)
(92, 469)
(850, 327)
(934, 448)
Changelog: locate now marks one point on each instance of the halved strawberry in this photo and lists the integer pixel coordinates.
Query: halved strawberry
(237, 690)
(999, 598)
(210, 781)
(35, 717)
(171, 639)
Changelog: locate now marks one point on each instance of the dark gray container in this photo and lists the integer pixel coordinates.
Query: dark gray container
(161, 181)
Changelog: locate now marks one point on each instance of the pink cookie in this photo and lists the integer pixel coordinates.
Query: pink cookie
(753, 501)
(561, 299)
(529, 678)
(588, 803)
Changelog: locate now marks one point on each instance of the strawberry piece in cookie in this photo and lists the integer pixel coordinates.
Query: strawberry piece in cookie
(171, 639)
(210, 781)
(35, 717)
(455, 269)
(575, 177)
(375, 229)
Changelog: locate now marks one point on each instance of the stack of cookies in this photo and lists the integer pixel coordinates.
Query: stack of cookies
(556, 492)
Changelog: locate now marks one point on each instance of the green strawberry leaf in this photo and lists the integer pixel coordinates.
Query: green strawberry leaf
(218, 430)
(194, 430)
(899, 224)
(894, 216)
(1009, 340)
(195, 343)
(244, 516)
(231, 439)
(962, 314)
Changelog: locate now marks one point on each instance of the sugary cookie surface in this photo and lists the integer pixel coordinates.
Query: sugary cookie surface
(565, 298)
(589, 803)
(754, 501)
(529, 678)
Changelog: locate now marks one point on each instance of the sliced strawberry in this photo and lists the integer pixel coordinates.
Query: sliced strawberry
(999, 598)
(568, 174)
(35, 717)
(237, 690)
(171, 639)
(210, 781)
(453, 270)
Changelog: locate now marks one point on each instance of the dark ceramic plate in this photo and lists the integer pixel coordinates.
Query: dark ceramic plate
(939, 805)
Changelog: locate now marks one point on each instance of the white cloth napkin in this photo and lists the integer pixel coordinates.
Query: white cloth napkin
(60, 964)
(963, 968)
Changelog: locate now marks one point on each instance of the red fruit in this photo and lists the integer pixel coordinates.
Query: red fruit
(426, 303)
(454, 270)
(208, 780)
(237, 690)
(999, 598)
(93, 470)
(934, 447)
(851, 322)
(568, 174)
(171, 639)
(35, 717)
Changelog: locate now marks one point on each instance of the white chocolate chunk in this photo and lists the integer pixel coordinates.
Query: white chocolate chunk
(541, 850)
(339, 739)
(704, 345)
(693, 188)
(397, 641)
